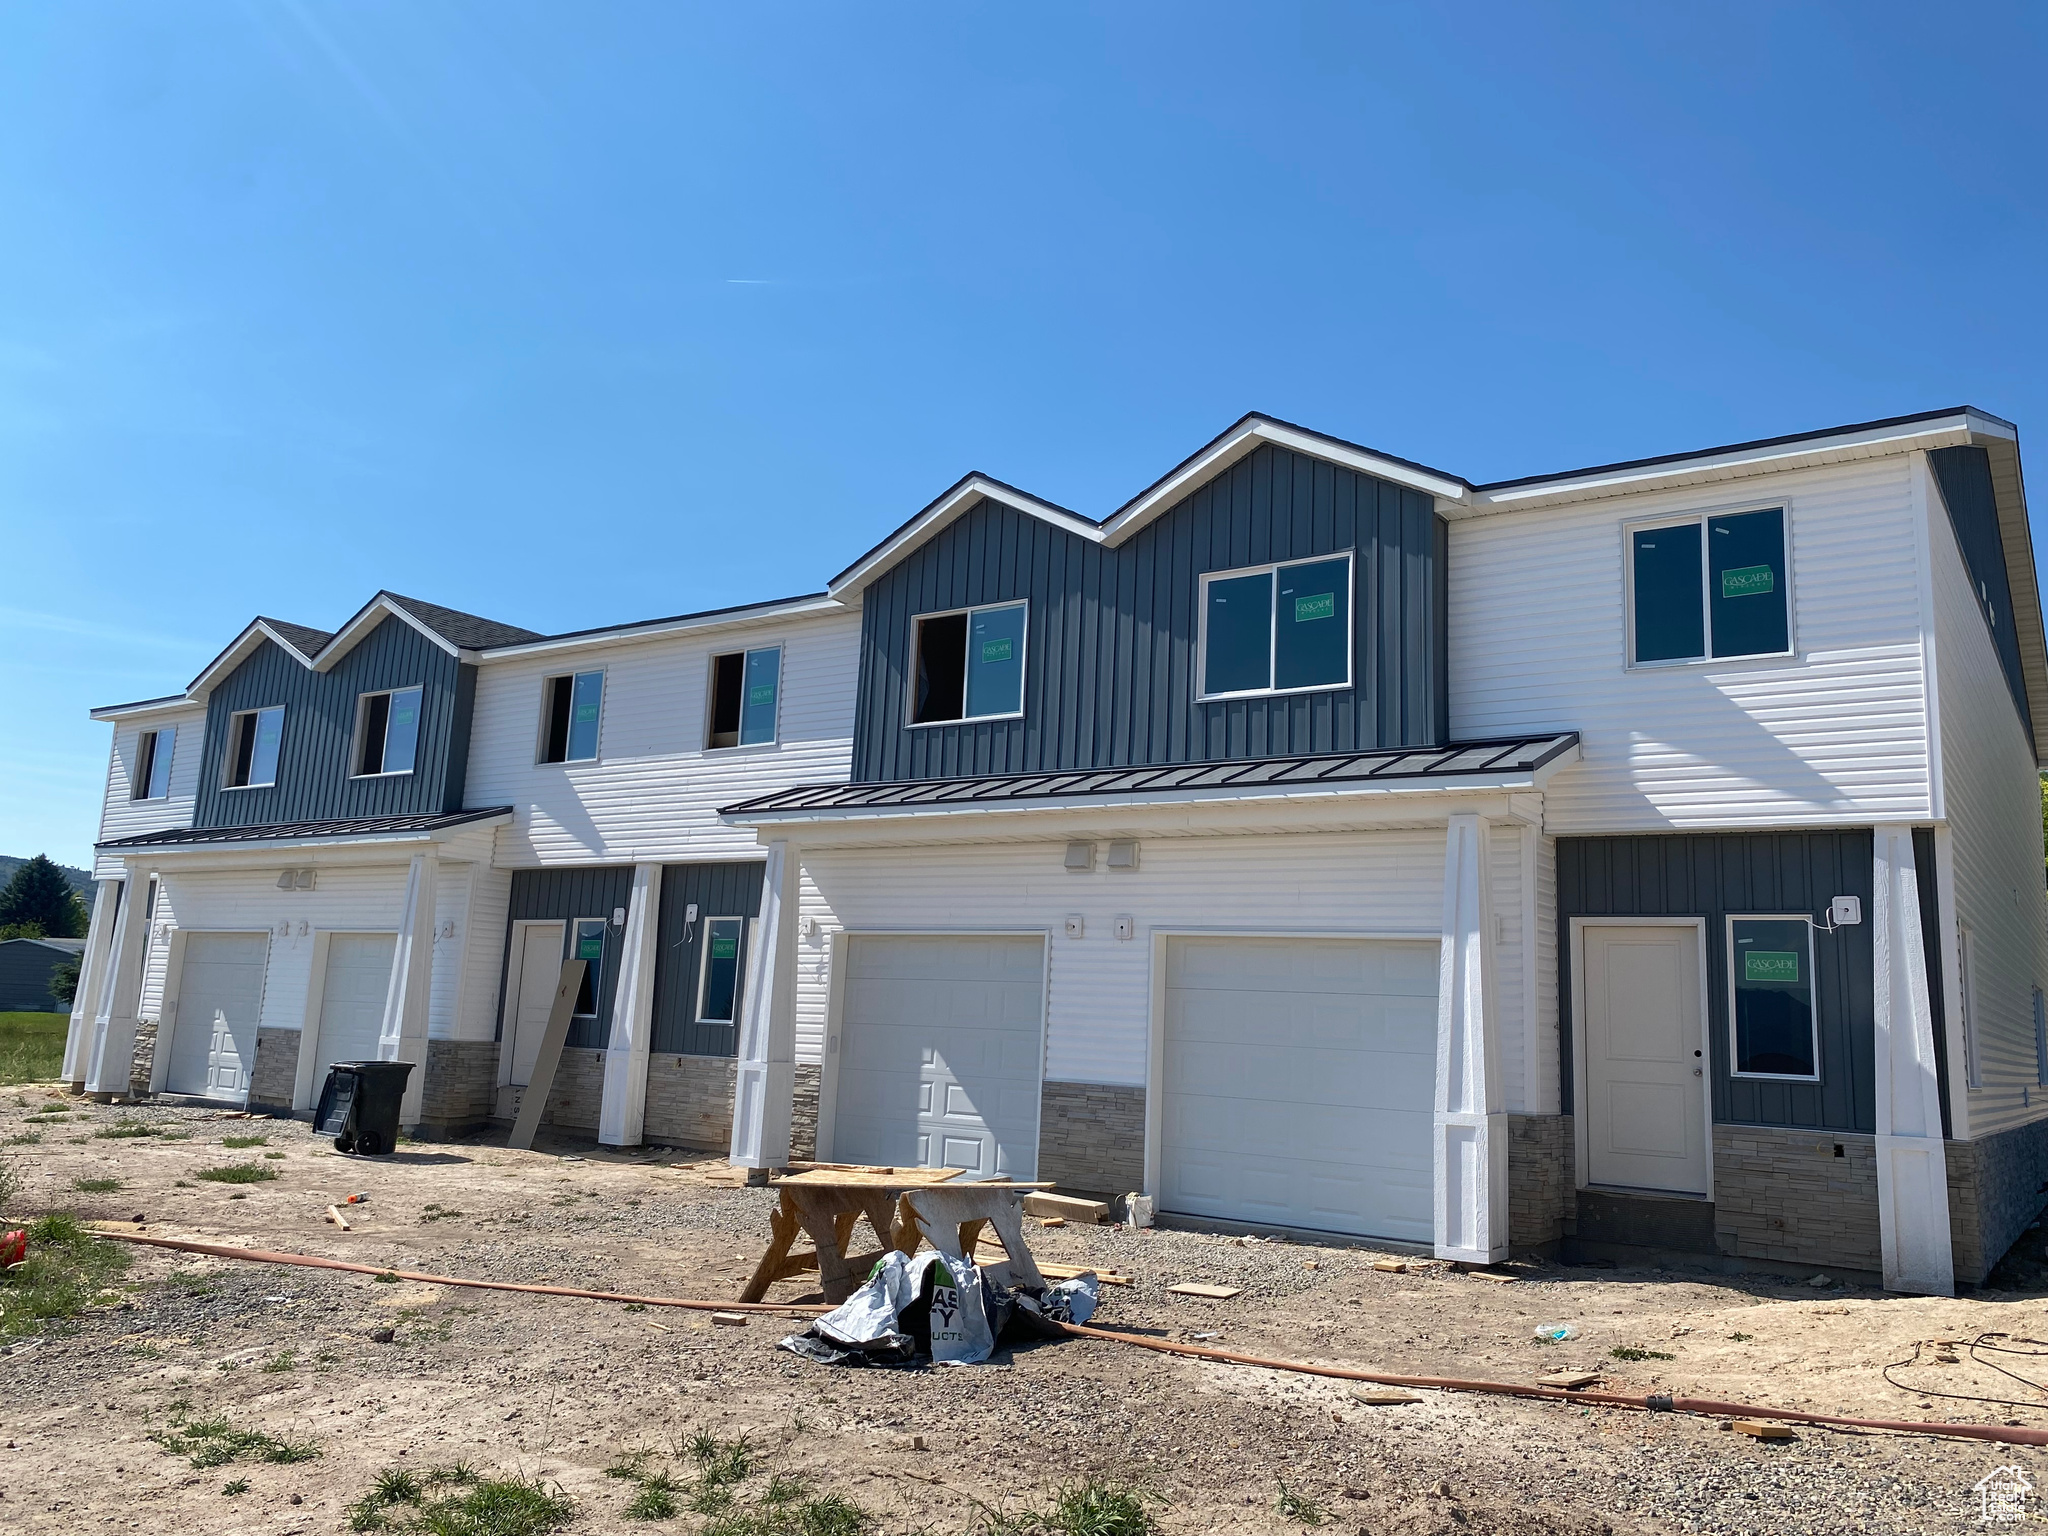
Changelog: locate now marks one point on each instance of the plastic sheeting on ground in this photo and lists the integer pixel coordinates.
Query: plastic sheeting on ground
(937, 1306)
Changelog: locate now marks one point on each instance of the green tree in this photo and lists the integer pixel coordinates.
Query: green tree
(40, 895)
(64, 981)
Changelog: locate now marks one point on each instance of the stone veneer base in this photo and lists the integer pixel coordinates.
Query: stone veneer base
(1091, 1137)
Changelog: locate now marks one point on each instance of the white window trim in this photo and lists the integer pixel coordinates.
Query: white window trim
(1966, 967)
(910, 673)
(540, 743)
(704, 971)
(569, 941)
(356, 737)
(1700, 516)
(711, 689)
(1202, 694)
(228, 758)
(1805, 922)
(139, 793)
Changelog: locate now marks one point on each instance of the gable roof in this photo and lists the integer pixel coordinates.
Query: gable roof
(62, 946)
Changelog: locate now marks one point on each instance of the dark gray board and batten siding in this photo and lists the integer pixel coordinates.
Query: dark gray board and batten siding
(1744, 873)
(315, 753)
(567, 894)
(719, 890)
(1110, 664)
(1964, 476)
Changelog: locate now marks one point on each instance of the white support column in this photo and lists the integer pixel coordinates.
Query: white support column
(766, 1080)
(1471, 1129)
(1912, 1162)
(92, 970)
(113, 1036)
(622, 1115)
(403, 1034)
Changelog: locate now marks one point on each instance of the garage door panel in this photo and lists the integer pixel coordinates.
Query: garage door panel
(352, 998)
(220, 998)
(1299, 1077)
(940, 1052)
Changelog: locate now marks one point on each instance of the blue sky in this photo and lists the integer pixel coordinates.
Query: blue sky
(575, 314)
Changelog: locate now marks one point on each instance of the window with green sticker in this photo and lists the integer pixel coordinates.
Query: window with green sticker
(746, 692)
(968, 664)
(1705, 588)
(718, 991)
(1770, 987)
(586, 943)
(1277, 628)
(572, 713)
(388, 731)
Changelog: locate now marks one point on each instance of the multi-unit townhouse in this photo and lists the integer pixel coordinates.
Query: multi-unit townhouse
(1636, 859)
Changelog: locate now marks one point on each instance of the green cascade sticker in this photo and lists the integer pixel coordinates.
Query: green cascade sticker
(1770, 965)
(761, 693)
(1749, 581)
(590, 947)
(724, 947)
(997, 650)
(402, 715)
(585, 712)
(1322, 606)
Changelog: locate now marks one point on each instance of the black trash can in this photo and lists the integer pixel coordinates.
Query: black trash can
(359, 1105)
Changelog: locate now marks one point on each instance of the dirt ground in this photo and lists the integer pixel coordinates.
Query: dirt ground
(379, 1374)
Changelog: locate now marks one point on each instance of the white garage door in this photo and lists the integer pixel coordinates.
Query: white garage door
(220, 994)
(939, 1053)
(352, 998)
(1300, 1083)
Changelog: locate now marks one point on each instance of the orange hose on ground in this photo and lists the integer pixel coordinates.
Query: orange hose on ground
(2004, 1434)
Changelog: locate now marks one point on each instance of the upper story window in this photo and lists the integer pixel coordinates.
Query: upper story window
(1703, 588)
(254, 736)
(746, 688)
(968, 664)
(151, 779)
(1276, 628)
(1770, 965)
(387, 732)
(571, 709)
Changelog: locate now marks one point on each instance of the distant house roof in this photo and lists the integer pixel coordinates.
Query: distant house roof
(357, 828)
(1461, 762)
(62, 946)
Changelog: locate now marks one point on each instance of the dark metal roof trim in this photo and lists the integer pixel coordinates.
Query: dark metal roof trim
(303, 831)
(1521, 754)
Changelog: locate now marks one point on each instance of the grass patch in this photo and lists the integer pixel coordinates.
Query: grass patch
(275, 1156)
(125, 1130)
(66, 1270)
(654, 1499)
(284, 1360)
(1299, 1507)
(404, 1502)
(436, 1213)
(95, 1186)
(215, 1442)
(32, 1046)
(1630, 1352)
(1091, 1507)
(25, 1139)
(237, 1143)
(236, 1488)
(237, 1173)
(1741, 1338)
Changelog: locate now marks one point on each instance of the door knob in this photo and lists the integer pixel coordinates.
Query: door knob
(1697, 1073)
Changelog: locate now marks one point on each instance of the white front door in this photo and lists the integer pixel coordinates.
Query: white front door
(536, 971)
(352, 998)
(939, 1059)
(1646, 1121)
(1299, 1083)
(220, 996)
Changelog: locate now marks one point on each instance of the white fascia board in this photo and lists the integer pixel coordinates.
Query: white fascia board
(145, 709)
(1357, 791)
(663, 628)
(237, 653)
(1254, 434)
(373, 613)
(1937, 432)
(974, 488)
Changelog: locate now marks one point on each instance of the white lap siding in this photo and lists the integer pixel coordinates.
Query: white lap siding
(121, 815)
(1833, 734)
(653, 792)
(1099, 1002)
(1991, 790)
